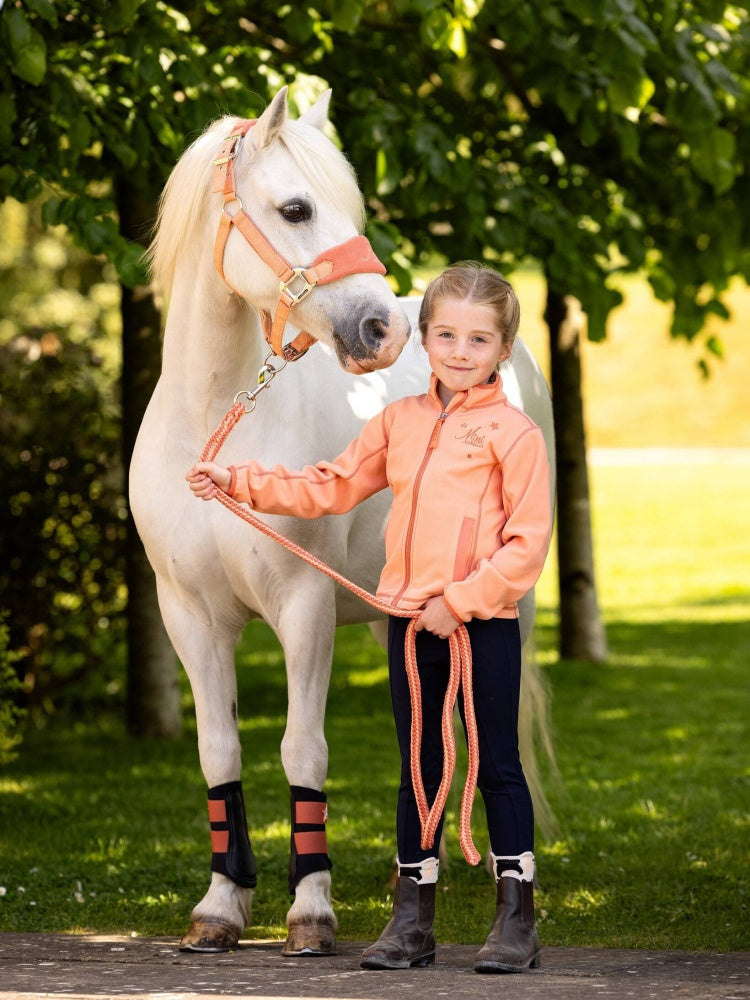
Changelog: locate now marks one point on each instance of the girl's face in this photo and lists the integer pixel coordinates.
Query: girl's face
(463, 344)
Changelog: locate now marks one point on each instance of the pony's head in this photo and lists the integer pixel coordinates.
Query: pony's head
(299, 191)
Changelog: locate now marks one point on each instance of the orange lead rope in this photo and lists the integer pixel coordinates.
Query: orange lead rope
(460, 674)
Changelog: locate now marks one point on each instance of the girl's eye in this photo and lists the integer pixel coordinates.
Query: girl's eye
(296, 211)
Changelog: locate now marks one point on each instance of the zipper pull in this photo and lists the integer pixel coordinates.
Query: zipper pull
(436, 430)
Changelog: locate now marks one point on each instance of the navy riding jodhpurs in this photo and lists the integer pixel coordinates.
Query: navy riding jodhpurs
(496, 660)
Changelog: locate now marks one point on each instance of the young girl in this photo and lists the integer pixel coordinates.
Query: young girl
(467, 537)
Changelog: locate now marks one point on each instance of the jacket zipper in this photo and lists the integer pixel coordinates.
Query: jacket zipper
(431, 446)
(436, 431)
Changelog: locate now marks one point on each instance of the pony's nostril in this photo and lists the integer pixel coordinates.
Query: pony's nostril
(372, 331)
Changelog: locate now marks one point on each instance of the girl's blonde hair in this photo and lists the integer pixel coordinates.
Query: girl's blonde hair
(479, 284)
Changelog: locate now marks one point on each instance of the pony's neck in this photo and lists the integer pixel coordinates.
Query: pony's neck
(213, 345)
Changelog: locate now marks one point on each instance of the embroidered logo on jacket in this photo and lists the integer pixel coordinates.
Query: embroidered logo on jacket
(472, 436)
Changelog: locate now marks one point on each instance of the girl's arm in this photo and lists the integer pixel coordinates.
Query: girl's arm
(325, 488)
(513, 570)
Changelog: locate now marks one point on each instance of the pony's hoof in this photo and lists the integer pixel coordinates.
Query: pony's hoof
(210, 936)
(312, 939)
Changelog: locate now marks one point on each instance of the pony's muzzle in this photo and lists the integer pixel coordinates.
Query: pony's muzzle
(374, 343)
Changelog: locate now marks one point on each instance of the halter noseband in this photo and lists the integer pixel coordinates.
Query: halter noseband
(354, 256)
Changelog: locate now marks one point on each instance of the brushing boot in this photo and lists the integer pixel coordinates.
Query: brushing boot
(407, 940)
(513, 942)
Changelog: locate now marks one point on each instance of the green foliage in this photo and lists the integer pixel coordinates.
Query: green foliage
(96, 90)
(591, 137)
(61, 493)
(28, 50)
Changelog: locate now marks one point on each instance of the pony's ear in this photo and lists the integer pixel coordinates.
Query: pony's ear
(317, 115)
(270, 122)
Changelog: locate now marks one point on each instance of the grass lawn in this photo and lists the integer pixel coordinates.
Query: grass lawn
(102, 833)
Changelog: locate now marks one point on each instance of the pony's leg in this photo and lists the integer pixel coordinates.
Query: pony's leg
(379, 630)
(207, 654)
(307, 637)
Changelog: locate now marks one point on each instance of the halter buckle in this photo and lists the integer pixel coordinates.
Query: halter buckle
(230, 152)
(298, 273)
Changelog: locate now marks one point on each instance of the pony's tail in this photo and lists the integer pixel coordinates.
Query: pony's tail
(535, 737)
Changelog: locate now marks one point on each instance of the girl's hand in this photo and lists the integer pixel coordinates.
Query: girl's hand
(437, 618)
(207, 478)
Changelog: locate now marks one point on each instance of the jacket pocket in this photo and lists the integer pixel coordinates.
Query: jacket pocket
(464, 549)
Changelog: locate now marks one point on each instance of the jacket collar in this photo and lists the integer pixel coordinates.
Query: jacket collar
(478, 395)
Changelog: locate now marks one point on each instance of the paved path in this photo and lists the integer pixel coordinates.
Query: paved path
(93, 967)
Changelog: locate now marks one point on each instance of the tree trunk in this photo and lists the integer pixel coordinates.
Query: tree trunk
(582, 635)
(153, 707)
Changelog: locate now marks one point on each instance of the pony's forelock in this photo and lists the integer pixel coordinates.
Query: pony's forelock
(330, 173)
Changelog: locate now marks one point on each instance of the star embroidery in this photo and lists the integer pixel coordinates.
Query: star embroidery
(469, 455)
(495, 426)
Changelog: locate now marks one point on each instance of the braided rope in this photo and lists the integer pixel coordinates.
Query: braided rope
(460, 673)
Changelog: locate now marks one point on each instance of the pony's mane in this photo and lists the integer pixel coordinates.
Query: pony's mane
(186, 204)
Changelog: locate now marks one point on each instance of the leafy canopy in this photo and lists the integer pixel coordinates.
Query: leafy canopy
(589, 136)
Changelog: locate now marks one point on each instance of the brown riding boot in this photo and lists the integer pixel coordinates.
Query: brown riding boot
(407, 940)
(513, 942)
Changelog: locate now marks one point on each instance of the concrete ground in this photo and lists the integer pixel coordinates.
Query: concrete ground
(93, 967)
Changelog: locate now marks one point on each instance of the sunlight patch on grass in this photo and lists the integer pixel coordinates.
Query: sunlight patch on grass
(557, 849)
(584, 901)
(253, 656)
(648, 809)
(114, 849)
(658, 544)
(367, 678)
(612, 714)
(716, 611)
(267, 932)
(274, 831)
(678, 733)
(248, 723)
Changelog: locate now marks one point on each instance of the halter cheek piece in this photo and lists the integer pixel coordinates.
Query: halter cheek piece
(354, 256)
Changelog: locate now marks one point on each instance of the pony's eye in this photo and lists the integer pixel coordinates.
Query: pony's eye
(296, 211)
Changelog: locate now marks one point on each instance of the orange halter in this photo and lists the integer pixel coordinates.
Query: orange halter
(354, 256)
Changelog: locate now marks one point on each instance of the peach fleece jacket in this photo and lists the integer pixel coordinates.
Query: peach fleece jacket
(471, 516)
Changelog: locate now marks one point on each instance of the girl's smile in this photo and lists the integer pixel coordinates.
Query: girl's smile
(464, 345)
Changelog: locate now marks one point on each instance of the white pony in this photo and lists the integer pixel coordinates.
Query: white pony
(213, 572)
